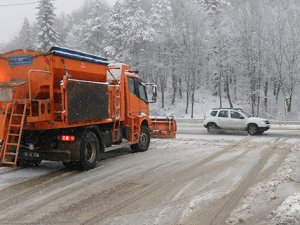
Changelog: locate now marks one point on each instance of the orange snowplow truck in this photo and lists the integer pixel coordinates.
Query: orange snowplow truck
(69, 106)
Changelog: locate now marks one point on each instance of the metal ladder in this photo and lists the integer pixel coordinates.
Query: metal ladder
(133, 131)
(116, 114)
(12, 142)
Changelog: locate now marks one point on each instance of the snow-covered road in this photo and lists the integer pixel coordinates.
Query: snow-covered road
(195, 179)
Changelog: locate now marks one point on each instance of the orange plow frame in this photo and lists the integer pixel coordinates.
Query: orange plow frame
(163, 127)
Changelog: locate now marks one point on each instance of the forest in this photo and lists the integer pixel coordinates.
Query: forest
(243, 53)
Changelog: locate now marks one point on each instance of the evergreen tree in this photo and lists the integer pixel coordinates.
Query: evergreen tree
(63, 24)
(115, 29)
(94, 31)
(213, 6)
(136, 31)
(135, 25)
(26, 36)
(161, 17)
(47, 35)
(74, 37)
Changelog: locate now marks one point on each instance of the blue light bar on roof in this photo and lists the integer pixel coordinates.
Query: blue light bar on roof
(77, 55)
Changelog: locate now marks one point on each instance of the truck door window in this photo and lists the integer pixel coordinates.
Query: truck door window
(142, 91)
(131, 85)
(137, 88)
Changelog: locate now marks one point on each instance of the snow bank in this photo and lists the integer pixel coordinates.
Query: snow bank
(260, 195)
(288, 213)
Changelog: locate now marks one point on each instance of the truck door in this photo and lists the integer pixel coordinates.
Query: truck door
(137, 97)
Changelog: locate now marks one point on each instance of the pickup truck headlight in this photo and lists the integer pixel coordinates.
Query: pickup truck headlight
(266, 122)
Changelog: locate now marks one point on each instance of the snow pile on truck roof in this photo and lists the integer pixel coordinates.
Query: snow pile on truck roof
(78, 55)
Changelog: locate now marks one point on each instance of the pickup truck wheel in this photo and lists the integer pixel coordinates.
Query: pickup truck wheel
(89, 151)
(252, 129)
(144, 141)
(212, 128)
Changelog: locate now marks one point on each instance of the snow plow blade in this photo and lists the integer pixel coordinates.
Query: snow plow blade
(163, 127)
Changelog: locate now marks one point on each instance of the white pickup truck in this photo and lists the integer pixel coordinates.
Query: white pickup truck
(234, 119)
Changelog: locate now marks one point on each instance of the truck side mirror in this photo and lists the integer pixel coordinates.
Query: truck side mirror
(154, 92)
(154, 99)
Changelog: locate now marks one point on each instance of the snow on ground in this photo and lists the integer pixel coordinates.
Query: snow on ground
(12, 176)
(288, 212)
(266, 194)
(272, 194)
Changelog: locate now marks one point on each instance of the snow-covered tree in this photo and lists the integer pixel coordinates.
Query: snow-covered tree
(161, 15)
(47, 35)
(63, 26)
(213, 6)
(136, 30)
(115, 30)
(94, 31)
(160, 21)
(26, 36)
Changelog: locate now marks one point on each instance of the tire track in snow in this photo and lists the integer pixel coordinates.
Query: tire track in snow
(21, 191)
(167, 185)
(220, 210)
(134, 194)
(69, 186)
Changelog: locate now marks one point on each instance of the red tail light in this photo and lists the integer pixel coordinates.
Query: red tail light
(67, 138)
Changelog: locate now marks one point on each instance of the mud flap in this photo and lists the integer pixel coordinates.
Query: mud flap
(163, 127)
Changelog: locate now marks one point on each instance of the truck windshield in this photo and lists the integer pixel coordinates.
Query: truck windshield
(142, 91)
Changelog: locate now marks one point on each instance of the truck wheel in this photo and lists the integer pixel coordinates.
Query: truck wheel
(89, 151)
(212, 128)
(252, 129)
(144, 141)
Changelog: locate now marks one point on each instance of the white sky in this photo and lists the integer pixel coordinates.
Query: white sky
(12, 17)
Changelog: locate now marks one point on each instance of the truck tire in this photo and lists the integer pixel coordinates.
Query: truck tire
(252, 129)
(89, 151)
(144, 141)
